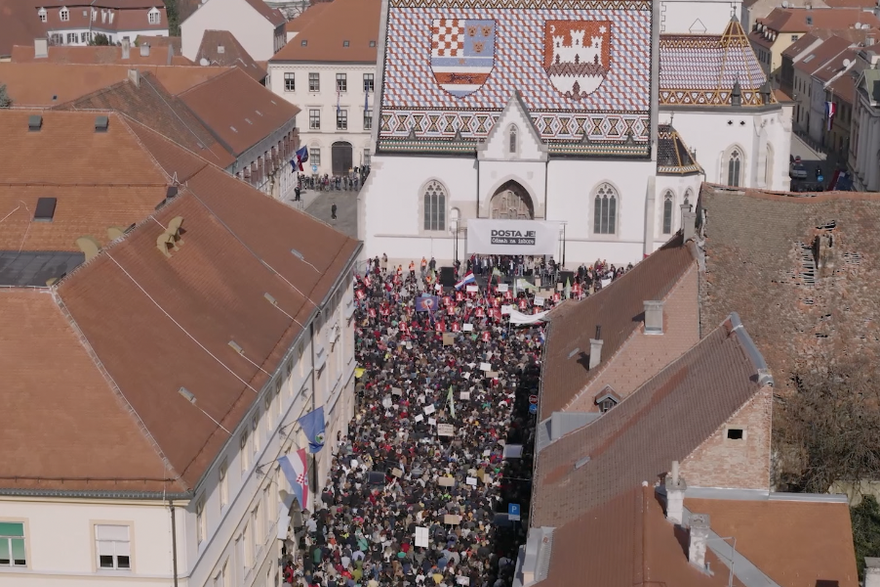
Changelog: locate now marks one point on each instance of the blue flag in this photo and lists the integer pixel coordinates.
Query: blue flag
(366, 101)
(313, 426)
(427, 303)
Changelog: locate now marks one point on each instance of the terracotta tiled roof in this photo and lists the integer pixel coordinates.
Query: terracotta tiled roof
(222, 48)
(248, 112)
(624, 543)
(273, 15)
(802, 44)
(213, 287)
(614, 308)
(796, 318)
(306, 17)
(673, 157)
(124, 19)
(701, 70)
(663, 421)
(795, 20)
(844, 87)
(19, 25)
(836, 66)
(821, 55)
(149, 103)
(796, 543)
(50, 84)
(97, 55)
(73, 439)
(157, 41)
(324, 38)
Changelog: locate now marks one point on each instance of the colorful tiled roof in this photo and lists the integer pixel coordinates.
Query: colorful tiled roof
(448, 71)
(673, 156)
(701, 70)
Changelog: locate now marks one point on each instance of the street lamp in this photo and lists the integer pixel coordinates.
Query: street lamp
(453, 227)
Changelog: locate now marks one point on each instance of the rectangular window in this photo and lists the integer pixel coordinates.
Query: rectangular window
(341, 119)
(368, 119)
(267, 415)
(72, 38)
(369, 82)
(255, 427)
(12, 545)
(245, 453)
(153, 17)
(201, 521)
(341, 82)
(247, 540)
(314, 119)
(314, 82)
(315, 158)
(64, 14)
(43, 16)
(113, 546)
(289, 81)
(256, 522)
(224, 484)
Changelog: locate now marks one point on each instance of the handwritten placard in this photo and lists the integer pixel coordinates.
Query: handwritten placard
(485, 366)
(445, 430)
(452, 519)
(432, 421)
(539, 301)
(502, 287)
(421, 536)
(445, 481)
(468, 327)
(420, 418)
(464, 395)
(429, 409)
(397, 473)
(472, 481)
(472, 289)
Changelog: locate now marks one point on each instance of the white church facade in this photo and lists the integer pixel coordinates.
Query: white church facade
(570, 116)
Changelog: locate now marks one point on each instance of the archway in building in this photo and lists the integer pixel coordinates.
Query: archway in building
(341, 156)
(511, 202)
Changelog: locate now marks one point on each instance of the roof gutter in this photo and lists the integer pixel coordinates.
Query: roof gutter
(96, 494)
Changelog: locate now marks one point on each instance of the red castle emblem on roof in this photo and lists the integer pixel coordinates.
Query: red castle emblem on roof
(577, 55)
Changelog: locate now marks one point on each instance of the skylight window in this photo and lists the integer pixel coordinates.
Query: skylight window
(305, 42)
(345, 43)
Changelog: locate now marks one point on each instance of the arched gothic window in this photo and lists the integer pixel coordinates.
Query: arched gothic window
(512, 138)
(605, 210)
(734, 168)
(667, 213)
(435, 206)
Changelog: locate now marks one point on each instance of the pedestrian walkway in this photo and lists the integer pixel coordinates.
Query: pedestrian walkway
(319, 203)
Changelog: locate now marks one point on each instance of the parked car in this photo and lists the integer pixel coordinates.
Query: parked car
(797, 171)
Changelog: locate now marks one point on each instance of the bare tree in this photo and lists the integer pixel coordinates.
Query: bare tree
(829, 427)
(5, 100)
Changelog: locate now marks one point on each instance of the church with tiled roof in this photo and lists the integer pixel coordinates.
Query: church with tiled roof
(577, 120)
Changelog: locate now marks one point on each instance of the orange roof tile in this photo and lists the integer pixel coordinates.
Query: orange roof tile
(796, 543)
(273, 15)
(18, 25)
(49, 84)
(222, 48)
(247, 114)
(324, 38)
(306, 17)
(796, 20)
(96, 55)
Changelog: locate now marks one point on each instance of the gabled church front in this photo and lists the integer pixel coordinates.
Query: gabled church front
(524, 114)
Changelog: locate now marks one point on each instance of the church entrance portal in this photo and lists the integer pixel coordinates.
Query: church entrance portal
(512, 202)
(341, 157)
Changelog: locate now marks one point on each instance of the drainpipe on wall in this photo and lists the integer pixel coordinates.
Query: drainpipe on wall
(314, 490)
(173, 542)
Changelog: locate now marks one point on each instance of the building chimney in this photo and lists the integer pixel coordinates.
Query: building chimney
(698, 540)
(653, 317)
(675, 489)
(145, 50)
(596, 349)
(170, 54)
(688, 222)
(134, 77)
(41, 48)
(126, 49)
(872, 571)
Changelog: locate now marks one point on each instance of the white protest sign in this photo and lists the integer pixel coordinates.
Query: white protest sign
(386, 402)
(462, 580)
(467, 327)
(472, 481)
(485, 366)
(419, 418)
(464, 395)
(445, 430)
(422, 536)
(432, 421)
(502, 287)
(466, 375)
(472, 289)
(539, 301)
(429, 409)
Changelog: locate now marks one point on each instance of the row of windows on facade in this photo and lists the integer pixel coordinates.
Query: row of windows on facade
(341, 119)
(79, 38)
(154, 16)
(259, 171)
(315, 156)
(315, 82)
(112, 546)
(605, 204)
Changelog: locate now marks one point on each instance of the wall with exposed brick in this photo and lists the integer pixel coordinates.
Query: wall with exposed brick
(740, 464)
(642, 356)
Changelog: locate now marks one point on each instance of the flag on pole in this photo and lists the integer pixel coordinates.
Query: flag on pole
(302, 156)
(450, 401)
(468, 278)
(427, 303)
(313, 426)
(296, 470)
(830, 111)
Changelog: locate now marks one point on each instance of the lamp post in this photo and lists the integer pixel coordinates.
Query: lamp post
(453, 226)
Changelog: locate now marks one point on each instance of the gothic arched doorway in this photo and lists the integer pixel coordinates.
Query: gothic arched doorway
(511, 202)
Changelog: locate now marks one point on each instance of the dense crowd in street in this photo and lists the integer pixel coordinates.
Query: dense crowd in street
(432, 456)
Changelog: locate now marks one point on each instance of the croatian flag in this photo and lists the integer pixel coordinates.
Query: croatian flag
(301, 157)
(830, 111)
(295, 468)
(469, 278)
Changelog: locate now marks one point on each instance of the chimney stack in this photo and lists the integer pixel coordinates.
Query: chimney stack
(134, 77)
(41, 48)
(126, 49)
(596, 349)
(675, 490)
(170, 54)
(688, 222)
(145, 50)
(698, 541)
(653, 316)
(872, 571)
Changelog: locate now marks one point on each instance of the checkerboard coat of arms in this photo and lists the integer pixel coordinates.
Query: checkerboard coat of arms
(462, 54)
(577, 55)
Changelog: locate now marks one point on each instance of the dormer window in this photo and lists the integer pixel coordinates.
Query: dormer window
(64, 15)
(154, 16)
(43, 15)
(607, 399)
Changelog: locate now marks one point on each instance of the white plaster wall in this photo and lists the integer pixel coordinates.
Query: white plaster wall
(113, 35)
(697, 16)
(679, 186)
(817, 111)
(326, 100)
(251, 29)
(713, 134)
